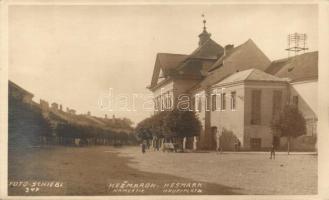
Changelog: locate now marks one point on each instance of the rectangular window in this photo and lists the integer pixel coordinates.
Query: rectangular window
(162, 102)
(193, 103)
(233, 100)
(165, 102)
(223, 101)
(196, 104)
(255, 143)
(213, 102)
(159, 103)
(277, 102)
(155, 104)
(170, 101)
(256, 107)
(199, 104)
(295, 101)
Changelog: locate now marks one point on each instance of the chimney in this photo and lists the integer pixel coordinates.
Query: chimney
(60, 107)
(54, 106)
(228, 48)
(44, 104)
(88, 113)
(105, 116)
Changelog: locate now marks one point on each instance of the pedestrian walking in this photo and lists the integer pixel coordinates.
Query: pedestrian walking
(218, 146)
(236, 145)
(143, 147)
(272, 152)
(239, 145)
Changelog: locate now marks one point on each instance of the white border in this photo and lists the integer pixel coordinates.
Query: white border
(323, 108)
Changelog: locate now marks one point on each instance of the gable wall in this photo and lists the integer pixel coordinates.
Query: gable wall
(246, 57)
(230, 120)
(307, 93)
(263, 129)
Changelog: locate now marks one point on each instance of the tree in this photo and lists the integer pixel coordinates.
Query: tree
(144, 129)
(182, 124)
(169, 124)
(289, 123)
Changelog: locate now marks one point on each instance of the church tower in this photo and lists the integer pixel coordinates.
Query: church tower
(204, 36)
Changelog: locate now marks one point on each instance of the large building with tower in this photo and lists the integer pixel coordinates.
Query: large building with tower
(236, 91)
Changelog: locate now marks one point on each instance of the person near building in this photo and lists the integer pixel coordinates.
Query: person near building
(272, 152)
(143, 145)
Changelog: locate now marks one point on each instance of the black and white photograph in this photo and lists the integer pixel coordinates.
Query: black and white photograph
(163, 99)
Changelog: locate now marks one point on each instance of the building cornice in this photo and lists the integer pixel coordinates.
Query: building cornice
(304, 81)
(163, 82)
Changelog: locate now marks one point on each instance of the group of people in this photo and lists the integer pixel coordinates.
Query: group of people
(147, 145)
(156, 144)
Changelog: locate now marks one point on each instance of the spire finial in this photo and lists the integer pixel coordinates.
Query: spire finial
(204, 36)
(204, 22)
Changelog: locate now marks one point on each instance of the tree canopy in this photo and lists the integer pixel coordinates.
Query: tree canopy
(169, 124)
(289, 123)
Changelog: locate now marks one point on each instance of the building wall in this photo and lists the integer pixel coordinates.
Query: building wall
(228, 119)
(173, 90)
(307, 92)
(263, 129)
(161, 93)
(182, 85)
(238, 122)
(200, 96)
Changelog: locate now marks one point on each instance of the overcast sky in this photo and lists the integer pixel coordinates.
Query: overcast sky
(73, 54)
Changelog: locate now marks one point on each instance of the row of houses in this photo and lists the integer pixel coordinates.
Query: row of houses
(238, 89)
(32, 123)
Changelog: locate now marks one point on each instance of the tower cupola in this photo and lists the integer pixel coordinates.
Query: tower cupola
(204, 36)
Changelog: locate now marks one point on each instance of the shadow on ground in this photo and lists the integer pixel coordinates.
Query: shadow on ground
(93, 171)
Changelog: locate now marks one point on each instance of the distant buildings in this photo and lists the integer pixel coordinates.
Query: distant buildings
(237, 91)
(19, 94)
(32, 124)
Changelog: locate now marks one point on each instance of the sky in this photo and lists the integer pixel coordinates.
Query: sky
(76, 54)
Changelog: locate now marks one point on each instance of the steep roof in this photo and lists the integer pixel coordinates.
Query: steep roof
(187, 65)
(220, 61)
(169, 61)
(251, 47)
(200, 60)
(166, 62)
(301, 67)
(13, 85)
(251, 75)
(243, 57)
(210, 49)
